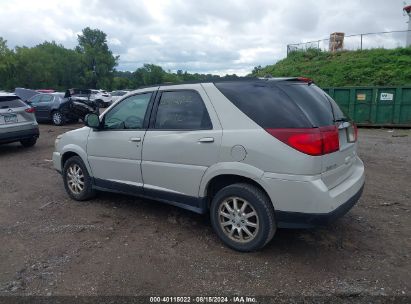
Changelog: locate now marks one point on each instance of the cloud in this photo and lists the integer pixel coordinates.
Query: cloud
(212, 36)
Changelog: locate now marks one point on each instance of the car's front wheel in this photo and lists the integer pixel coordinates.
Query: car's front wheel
(77, 181)
(243, 217)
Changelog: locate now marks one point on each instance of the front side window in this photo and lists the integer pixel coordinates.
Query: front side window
(182, 110)
(129, 114)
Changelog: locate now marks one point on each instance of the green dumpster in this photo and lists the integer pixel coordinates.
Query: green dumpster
(375, 106)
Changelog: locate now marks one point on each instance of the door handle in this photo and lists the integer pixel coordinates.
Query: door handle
(206, 140)
(135, 139)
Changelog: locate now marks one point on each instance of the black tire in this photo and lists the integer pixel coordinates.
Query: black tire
(57, 118)
(264, 221)
(28, 142)
(87, 192)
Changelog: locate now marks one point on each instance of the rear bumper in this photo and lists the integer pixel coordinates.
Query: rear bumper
(305, 201)
(306, 220)
(13, 136)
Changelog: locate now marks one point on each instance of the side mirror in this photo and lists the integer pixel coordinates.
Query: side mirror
(92, 120)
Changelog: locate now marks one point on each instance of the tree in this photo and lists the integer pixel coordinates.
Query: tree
(149, 74)
(6, 66)
(98, 61)
(256, 70)
(47, 65)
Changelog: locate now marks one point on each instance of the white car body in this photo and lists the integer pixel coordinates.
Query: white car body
(178, 166)
(101, 96)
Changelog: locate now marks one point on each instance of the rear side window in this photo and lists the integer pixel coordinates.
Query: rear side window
(11, 102)
(266, 104)
(182, 110)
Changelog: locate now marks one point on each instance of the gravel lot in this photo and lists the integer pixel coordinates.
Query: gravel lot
(119, 245)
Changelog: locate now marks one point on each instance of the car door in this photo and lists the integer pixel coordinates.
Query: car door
(44, 105)
(183, 140)
(34, 102)
(114, 151)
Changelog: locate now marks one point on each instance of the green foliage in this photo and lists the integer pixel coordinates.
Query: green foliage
(150, 74)
(90, 65)
(6, 64)
(97, 60)
(46, 65)
(49, 65)
(347, 68)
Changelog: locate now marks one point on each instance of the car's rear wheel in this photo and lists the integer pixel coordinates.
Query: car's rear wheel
(30, 142)
(243, 217)
(57, 118)
(77, 181)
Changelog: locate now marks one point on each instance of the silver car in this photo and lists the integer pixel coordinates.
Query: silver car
(17, 121)
(256, 154)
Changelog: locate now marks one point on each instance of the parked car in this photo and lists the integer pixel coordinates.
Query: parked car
(17, 121)
(60, 108)
(49, 107)
(103, 98)
(256, 154)
(115, 95)
(80, 103)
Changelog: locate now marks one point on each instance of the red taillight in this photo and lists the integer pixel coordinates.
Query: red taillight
(312, 141)
(355, 131)
(30, 110)
(331, 141)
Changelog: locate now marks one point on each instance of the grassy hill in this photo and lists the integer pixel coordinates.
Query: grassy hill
(346, 68)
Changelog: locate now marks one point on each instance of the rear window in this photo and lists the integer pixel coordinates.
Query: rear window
(338, 113)
(312, 101)
(282, 104)
(11, 102)
(266, 104)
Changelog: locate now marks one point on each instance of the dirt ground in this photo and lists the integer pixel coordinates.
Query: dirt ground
(119, 245)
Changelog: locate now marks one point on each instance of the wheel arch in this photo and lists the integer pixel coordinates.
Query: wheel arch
(226, 174)
(73, 150)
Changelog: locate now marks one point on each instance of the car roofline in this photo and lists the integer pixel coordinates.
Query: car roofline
(240, 79)
(6, 94)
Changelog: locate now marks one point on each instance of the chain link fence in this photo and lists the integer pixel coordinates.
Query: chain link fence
(386, 40)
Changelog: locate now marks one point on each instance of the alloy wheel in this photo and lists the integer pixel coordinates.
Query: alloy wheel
(238, 219)
(57, 118)
(75, 179)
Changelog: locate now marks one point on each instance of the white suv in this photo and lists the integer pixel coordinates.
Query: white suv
(101, 97)
(257, 154)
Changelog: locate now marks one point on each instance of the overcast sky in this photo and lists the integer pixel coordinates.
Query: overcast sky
(212, 36)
